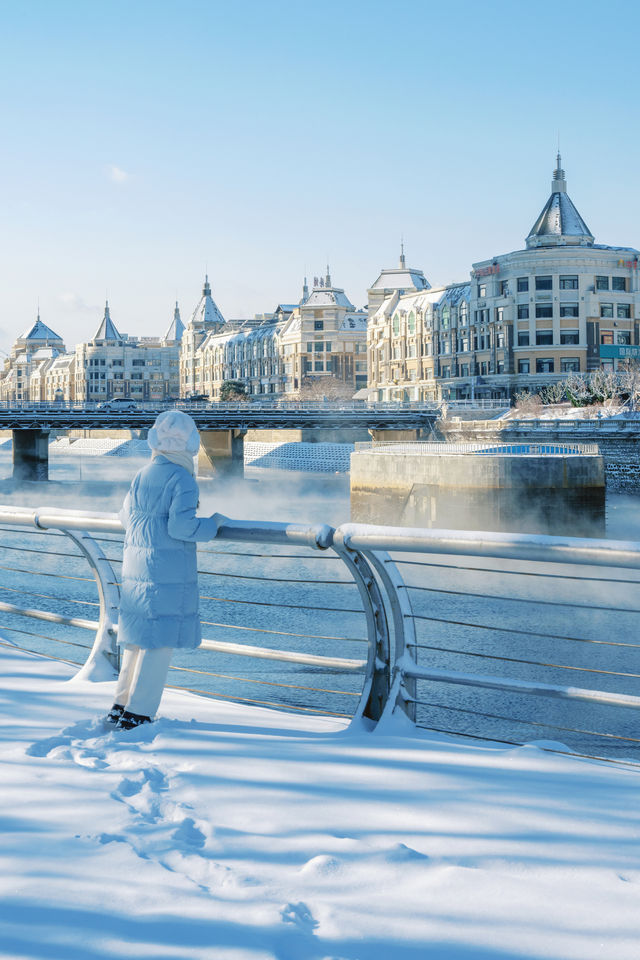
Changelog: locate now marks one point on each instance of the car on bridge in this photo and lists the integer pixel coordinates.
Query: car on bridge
(118, 405)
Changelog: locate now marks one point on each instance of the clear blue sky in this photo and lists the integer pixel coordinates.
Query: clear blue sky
(144, 141)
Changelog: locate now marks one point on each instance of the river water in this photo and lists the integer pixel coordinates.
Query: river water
(555, 624)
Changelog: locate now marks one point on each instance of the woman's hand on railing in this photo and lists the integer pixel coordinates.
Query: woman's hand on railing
(219, 518)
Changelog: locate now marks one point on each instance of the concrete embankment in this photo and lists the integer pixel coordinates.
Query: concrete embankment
(434, 485)
(618, 440)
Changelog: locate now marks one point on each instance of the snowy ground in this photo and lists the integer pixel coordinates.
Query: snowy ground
(234, 833)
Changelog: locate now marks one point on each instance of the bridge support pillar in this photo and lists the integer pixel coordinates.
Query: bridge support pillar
(30, 455)
(221, 454)
(394, 436)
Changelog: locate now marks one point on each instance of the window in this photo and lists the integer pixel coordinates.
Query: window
(544, 365)
(602, 283)
(606, 309)
(396, 325)
(606, 336)
(523, 284)
(544, 283)
(568, 283)
(318, 324)
(623, 311)
(569, 365)
(482, 289)
(484, 368)
(523, 311)
(318, 346)
(500, 366)
(500, 340)
(499, 314)
(569, 336)
(544, 310)
(504, 288)
(524, 366)
(318, 365)
(618, 283)
(116, 363)
(445, 372)
(523, 338)
(412, 323)
(569, 310)
(624, 337)
(136, 376)
(137, 363)
(544, 338)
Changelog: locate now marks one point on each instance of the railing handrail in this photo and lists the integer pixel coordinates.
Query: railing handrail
(365, 550)
(505, 546)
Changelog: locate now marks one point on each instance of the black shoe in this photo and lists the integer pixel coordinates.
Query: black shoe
(114, 714)
(129, 720)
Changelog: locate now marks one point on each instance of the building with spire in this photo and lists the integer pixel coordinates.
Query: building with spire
(317, 346)
(22, 378)
(206, 319)
(114, 365)
(563, 304)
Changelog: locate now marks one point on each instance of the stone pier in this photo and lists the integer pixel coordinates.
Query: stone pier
(221, 454)
(30, 455)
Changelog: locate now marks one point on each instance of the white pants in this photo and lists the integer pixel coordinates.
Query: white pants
(143, 674)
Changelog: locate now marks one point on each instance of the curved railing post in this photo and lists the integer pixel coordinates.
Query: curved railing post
(375, 692)
(402, 694)
(102, 663)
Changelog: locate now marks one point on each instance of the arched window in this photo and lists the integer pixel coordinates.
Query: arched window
(396, 325)
(412, 323)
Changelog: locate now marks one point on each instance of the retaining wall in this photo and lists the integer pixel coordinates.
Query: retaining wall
(618, 440)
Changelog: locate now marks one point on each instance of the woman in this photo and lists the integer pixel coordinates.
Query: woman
(159, 593)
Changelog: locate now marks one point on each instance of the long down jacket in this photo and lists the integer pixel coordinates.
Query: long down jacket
(159, 593)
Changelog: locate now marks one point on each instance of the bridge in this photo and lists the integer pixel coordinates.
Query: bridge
(222, 426)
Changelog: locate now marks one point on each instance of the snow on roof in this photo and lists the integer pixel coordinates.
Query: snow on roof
(397, 279)
(327, 297)
(176, 327)
(559, 221)
(206, 310)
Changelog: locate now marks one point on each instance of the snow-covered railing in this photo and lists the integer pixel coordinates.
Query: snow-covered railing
(465, 632)
(538, 609)
(259, 613)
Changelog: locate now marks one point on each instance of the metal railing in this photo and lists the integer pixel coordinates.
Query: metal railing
(465, 632)
(291, 602)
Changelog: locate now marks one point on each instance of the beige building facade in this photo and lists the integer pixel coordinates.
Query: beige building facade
(564, 304)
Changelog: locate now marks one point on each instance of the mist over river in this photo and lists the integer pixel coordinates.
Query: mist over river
(510, 619)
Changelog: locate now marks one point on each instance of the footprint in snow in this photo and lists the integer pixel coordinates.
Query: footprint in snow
(82, 730)
(300, 915)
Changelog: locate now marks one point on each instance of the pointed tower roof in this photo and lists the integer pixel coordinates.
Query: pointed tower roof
(106, 330)
(176, 327)
(40, 331)
(206, 310)
(559, 223)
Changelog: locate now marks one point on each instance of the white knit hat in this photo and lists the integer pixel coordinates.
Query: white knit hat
(174, 432)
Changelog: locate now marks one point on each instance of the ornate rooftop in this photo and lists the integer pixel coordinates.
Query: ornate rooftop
(559, 223)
